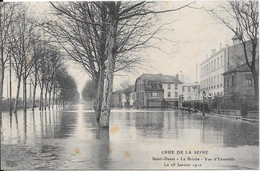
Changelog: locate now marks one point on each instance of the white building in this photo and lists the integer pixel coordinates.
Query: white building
(211, 73)
(190, 91)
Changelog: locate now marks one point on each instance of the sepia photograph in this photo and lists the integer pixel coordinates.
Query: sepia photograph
(129, 85)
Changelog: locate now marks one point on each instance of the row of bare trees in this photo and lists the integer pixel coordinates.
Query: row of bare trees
(34, 59)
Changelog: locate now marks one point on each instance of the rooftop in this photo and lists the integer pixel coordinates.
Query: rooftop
(161, 77)
(213, 55)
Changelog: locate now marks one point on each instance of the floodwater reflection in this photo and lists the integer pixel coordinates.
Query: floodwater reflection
(71, 139)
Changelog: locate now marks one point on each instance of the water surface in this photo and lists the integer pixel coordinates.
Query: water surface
(137, 139)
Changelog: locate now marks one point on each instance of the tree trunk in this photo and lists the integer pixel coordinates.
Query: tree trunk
(24, 95)
(53, 97)
(10, 87)
(34, 94)
(17, 94)
(1, 90)
(49, 100)
(99, 94)
(108, 84)
(256, 84)
(41, 99)
(45, 98)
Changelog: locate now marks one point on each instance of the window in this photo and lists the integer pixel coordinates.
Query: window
(155, 94)
(169, 86)
(227, 82)
(188, 88)
(176, 94)
(150, 85)
(221, 61)
(249, 80)
(169, 94)
(218, 63)
(214, 81)
(176, 86)
(183, 88)
(215, 64)
(217, 80)
(232, 80)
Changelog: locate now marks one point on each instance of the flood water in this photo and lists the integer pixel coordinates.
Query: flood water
(137, 139)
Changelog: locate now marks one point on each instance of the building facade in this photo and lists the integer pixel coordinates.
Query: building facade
(211, 73)
(238, 79)
(239, 82)
(228, 62)
(157, 90)
(190, 91)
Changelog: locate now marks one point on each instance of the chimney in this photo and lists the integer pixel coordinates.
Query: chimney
(177, 76)
(213, 51)
(220, 46)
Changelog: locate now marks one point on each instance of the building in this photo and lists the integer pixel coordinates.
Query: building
(229, 62)
(238, 79)
(211, 73)
(157, 90)
(190, 91)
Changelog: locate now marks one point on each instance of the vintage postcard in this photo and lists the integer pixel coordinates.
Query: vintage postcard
(121, 85)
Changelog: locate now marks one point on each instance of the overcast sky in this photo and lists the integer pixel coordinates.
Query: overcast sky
(192, 34)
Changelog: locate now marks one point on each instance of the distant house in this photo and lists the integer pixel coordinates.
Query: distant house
(157, 90)
(190, 91)
(128, 96)
(123, 98)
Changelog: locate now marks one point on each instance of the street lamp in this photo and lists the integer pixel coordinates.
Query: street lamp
(203, 94)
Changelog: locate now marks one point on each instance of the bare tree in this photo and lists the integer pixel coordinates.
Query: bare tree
(85, 43)
(38, 53)
(128, 23)
(82, 31)
(55, 66)
(21, 43)
(127, 27)
(242, 18)
(6, 20)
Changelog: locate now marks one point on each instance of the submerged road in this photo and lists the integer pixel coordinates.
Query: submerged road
(137, 139)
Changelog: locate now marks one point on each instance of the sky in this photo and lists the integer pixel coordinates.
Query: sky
(192, 33)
